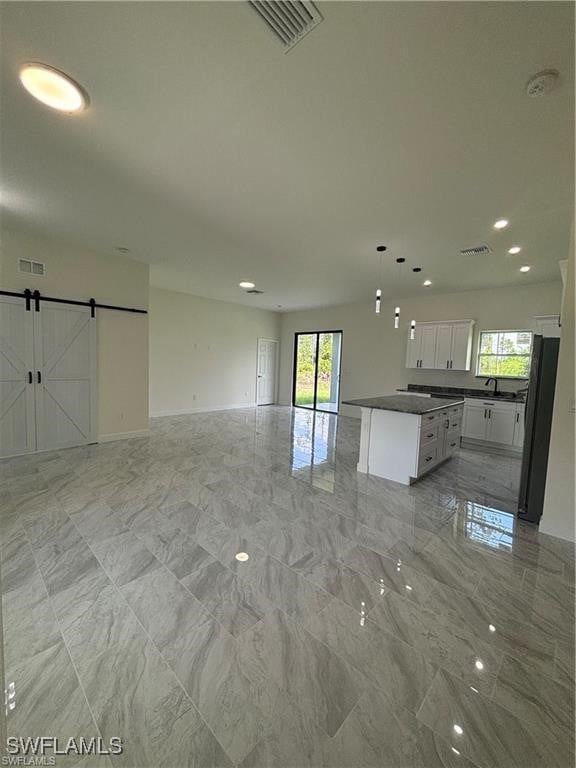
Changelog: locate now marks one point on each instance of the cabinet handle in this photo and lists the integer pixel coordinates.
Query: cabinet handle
(39, 378)
(450, 363)
(429, 458)
(29, 377)
(517, 418)
(430, 435)
(452, 445)
(455, 424)
(447, 363)
(484, 412)
(489, 413)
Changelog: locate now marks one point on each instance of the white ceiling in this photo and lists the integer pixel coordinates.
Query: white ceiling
(216, 157)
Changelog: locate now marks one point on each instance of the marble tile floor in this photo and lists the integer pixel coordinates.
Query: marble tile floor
(371, 625)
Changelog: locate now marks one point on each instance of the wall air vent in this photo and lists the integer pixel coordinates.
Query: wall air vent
(476, 250)
(289, 20)
(31, 267)
(254, 291)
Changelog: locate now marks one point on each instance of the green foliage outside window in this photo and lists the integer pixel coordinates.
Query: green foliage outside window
(505, 354)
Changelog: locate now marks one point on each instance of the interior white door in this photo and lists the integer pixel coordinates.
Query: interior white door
(17, 425)
(65, 376)
(267, 364)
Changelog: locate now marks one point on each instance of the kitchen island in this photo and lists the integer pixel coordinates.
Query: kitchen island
(405, 436)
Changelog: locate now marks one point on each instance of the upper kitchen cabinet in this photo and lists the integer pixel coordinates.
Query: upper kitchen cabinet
(441, 346)
(421, 350)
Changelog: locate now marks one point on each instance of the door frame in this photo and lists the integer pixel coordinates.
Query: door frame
(295, 362)
(276, 368)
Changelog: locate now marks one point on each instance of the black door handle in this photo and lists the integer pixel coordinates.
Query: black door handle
(39, 378)
(29, 377)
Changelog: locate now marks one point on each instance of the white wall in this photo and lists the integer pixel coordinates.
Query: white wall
(559, 512)
(79, 273)
(374, 354)
(203, 352)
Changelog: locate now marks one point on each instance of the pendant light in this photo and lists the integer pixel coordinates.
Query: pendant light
(397, 318)
(380, 249)
(412, 329)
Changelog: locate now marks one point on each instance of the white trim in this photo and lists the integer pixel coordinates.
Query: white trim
(122, 435)
(206, 409)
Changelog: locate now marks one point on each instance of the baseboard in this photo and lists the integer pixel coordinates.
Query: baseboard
(496, 448)
(206, 409)
(122, 435)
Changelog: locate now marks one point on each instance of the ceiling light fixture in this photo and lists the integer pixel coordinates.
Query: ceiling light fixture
(53, 88)
(427, 283)
(396, 317)
(242, 557)
(514, 250)
(525, 268)
(501, 224)
(247, 284)
(412, 330)
(458, 729)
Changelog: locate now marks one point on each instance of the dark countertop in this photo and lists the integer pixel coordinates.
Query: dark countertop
(404, 403)
(449, 392)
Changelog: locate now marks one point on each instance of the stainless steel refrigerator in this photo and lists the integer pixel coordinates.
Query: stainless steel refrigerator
(538, 424)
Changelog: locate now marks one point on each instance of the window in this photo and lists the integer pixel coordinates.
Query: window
(505, 354)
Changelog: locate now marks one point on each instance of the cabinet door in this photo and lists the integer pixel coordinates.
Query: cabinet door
(475, 421)
(443, 347)
(428, 346)
(519, 427)
(413, 348)
(501, 423)
(461, 348)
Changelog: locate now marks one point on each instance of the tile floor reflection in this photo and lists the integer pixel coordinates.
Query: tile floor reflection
(371, 624)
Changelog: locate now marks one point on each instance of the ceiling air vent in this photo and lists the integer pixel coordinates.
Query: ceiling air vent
(476, 250)
(31, 267)
(289, 20)
(254, 290)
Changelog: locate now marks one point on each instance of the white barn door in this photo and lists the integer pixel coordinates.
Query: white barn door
(17, 424)
(65, 376)
(267, 366)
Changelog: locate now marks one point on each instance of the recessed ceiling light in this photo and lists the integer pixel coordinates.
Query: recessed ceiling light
(479, 664)
(427, 283)
(491, 627)
(525, 269)
(242, 556)
(247, 284)
(53, 88)
(501, 224)
(458, 729)
(514, 250)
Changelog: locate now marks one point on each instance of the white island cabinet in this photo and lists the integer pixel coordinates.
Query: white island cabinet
(405, 436)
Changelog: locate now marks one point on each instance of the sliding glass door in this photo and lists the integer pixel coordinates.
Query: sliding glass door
(317, 370)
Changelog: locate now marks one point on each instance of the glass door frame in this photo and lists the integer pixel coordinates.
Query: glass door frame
(314, 406)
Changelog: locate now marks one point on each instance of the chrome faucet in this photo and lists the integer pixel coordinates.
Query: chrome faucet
(495, 393)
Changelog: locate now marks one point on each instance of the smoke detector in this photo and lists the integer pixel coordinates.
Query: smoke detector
(542, 83)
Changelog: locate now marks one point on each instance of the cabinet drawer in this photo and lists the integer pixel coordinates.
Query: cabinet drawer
(428, 457)
(428, 434)
(452, 442)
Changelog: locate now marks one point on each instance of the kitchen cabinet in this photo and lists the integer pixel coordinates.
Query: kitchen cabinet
(421, 350)
(519, 427)
(441, 346)
(494, 422)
